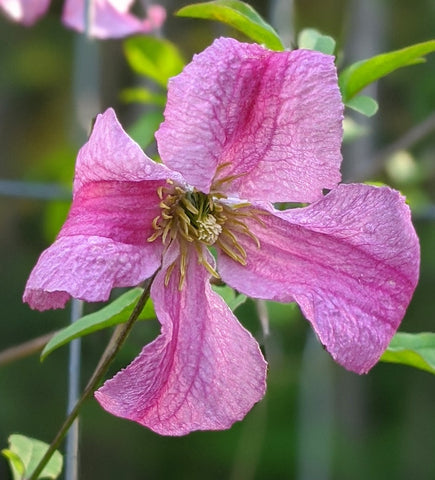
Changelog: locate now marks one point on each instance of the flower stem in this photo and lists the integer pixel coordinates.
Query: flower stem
(119, 336)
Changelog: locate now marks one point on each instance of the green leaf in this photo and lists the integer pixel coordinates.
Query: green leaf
(142, 95)
(143, 130)
(413, 349)
(24, 454)
(368, 106)
(115, 313)
(232, 299)
(238, 15)
(154, 58)
(357, 76)
(312, 39)
(15, 463)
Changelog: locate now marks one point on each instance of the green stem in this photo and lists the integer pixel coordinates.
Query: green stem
(119, 336)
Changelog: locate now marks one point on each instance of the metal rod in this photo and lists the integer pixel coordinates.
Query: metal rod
(34, 190)
(72, 440)
(86, 102)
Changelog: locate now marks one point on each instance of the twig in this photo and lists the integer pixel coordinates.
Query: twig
(25, 349)
(412, 136)
(263, 316)
(119, 336)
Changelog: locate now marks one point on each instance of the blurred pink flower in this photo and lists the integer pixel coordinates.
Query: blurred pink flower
(244, 127)
(108, 18)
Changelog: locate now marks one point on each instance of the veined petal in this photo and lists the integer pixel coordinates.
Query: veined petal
(111, 19)
(111, 155)
(271, 119)
(204, 371)
(87, 267)
(103, 243)
(351, 262)
(121, 211)
(26, 12)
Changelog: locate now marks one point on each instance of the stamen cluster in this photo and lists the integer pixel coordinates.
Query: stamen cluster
(193, 217)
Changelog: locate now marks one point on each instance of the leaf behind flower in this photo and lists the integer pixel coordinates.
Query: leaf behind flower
(413, 349)
(114, 313)
(238, 15)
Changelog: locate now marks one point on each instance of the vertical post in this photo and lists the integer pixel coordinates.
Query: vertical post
(86, 105)
(366, 31)
(315, 413)
(71, 456)
(282, 18)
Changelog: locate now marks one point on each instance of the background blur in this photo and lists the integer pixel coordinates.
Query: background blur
(317, 420)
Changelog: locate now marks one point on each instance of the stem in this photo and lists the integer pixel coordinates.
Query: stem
(25, 349)
(119, 336)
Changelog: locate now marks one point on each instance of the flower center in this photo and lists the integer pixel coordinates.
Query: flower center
(196, 218)
(208, 229)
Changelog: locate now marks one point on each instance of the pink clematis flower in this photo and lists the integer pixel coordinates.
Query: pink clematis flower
(108, 18)
(244, 127)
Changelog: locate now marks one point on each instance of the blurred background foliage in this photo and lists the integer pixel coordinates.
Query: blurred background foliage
(317, 420)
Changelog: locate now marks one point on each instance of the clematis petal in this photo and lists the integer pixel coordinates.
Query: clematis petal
(103, 243)
(86, 267)
(121, 211)
(26, 12)
(111, 18)
(272, 118)
(350, 261)
(204, 371)
(111, 155)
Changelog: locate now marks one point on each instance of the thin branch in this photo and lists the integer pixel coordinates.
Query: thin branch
(25, 349)
(263, 316)
(411, 137)
(119, 336)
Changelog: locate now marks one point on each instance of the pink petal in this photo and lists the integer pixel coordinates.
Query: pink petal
(111, 19)
(87, 267)
(204, 371)
(272, 117)
(350, 261)
(111, 155)
(121, 211)
(103, 243)
(26, 12)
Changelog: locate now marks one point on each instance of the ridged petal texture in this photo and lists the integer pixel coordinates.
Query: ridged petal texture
(103, 243)
(274, 118)
(350, 260)
(253, 125)
(204, 372)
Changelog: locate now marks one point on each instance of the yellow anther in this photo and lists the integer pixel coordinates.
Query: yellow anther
(155, 222)
(182, 214)
(166, 230)
(230, 252)
(202, 260)
(168, 273)
(189, 205)
(193, 218)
